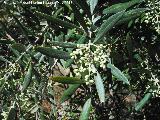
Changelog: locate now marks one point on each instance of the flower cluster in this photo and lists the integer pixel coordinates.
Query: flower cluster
(155, 86)
(13, 68)
(153, 15)
(87, 55)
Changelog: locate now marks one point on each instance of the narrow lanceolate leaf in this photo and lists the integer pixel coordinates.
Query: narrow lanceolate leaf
(53, 52)
(117, 73)
(63, 44)
(27, 78)
(121, 6)
(138, 58)
(93, 4)
(58, 12)
(4, 59)
(100, 87)
(69, 92)
(108, 25)
(6, 42)
(66, 80)
(86, 110)
(143, 101)
(19, 47)
(131, 14)
(58, 21)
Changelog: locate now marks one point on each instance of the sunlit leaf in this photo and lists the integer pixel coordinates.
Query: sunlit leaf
(99, 85)
(117, 73)
(93, 4)
(86, 110)
(69, 92)
(131, 14)
(108, 25)
(143, 101)
(120, 6)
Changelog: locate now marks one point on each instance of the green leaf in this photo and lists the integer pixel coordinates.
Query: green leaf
(120, 6)
(117, 73)
(138, 58)
(6, 42)
(69, 92)
(34, 109)
(17, 54)
(93, 4)
(58, 21)
(64, 44)
(67, 5)
(131, 14)
(68, 63)
(99, 86)
(82, 39)
(53, 52)
(19, 47)
(27, 78)
(66, 80)
(4, 59)
(75, 36)
(108, 25)
(58, 12)
(86, 110)
(143, 101)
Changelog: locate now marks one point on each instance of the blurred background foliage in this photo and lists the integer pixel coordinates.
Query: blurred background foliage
(35, 44)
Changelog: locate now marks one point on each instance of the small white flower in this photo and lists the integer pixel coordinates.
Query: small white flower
(75, 70)
(153, 14)
(156, 81)
(91, 81)
(96, 59)
(78, 74)
(87, 83)
(72, 57)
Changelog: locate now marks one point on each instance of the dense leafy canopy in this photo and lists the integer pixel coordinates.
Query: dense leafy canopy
(37, 78)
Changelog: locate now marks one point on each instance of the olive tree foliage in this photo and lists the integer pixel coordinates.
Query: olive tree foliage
(77, 59)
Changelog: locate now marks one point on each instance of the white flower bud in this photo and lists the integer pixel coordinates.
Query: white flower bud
(87, 83)
(91, 81)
